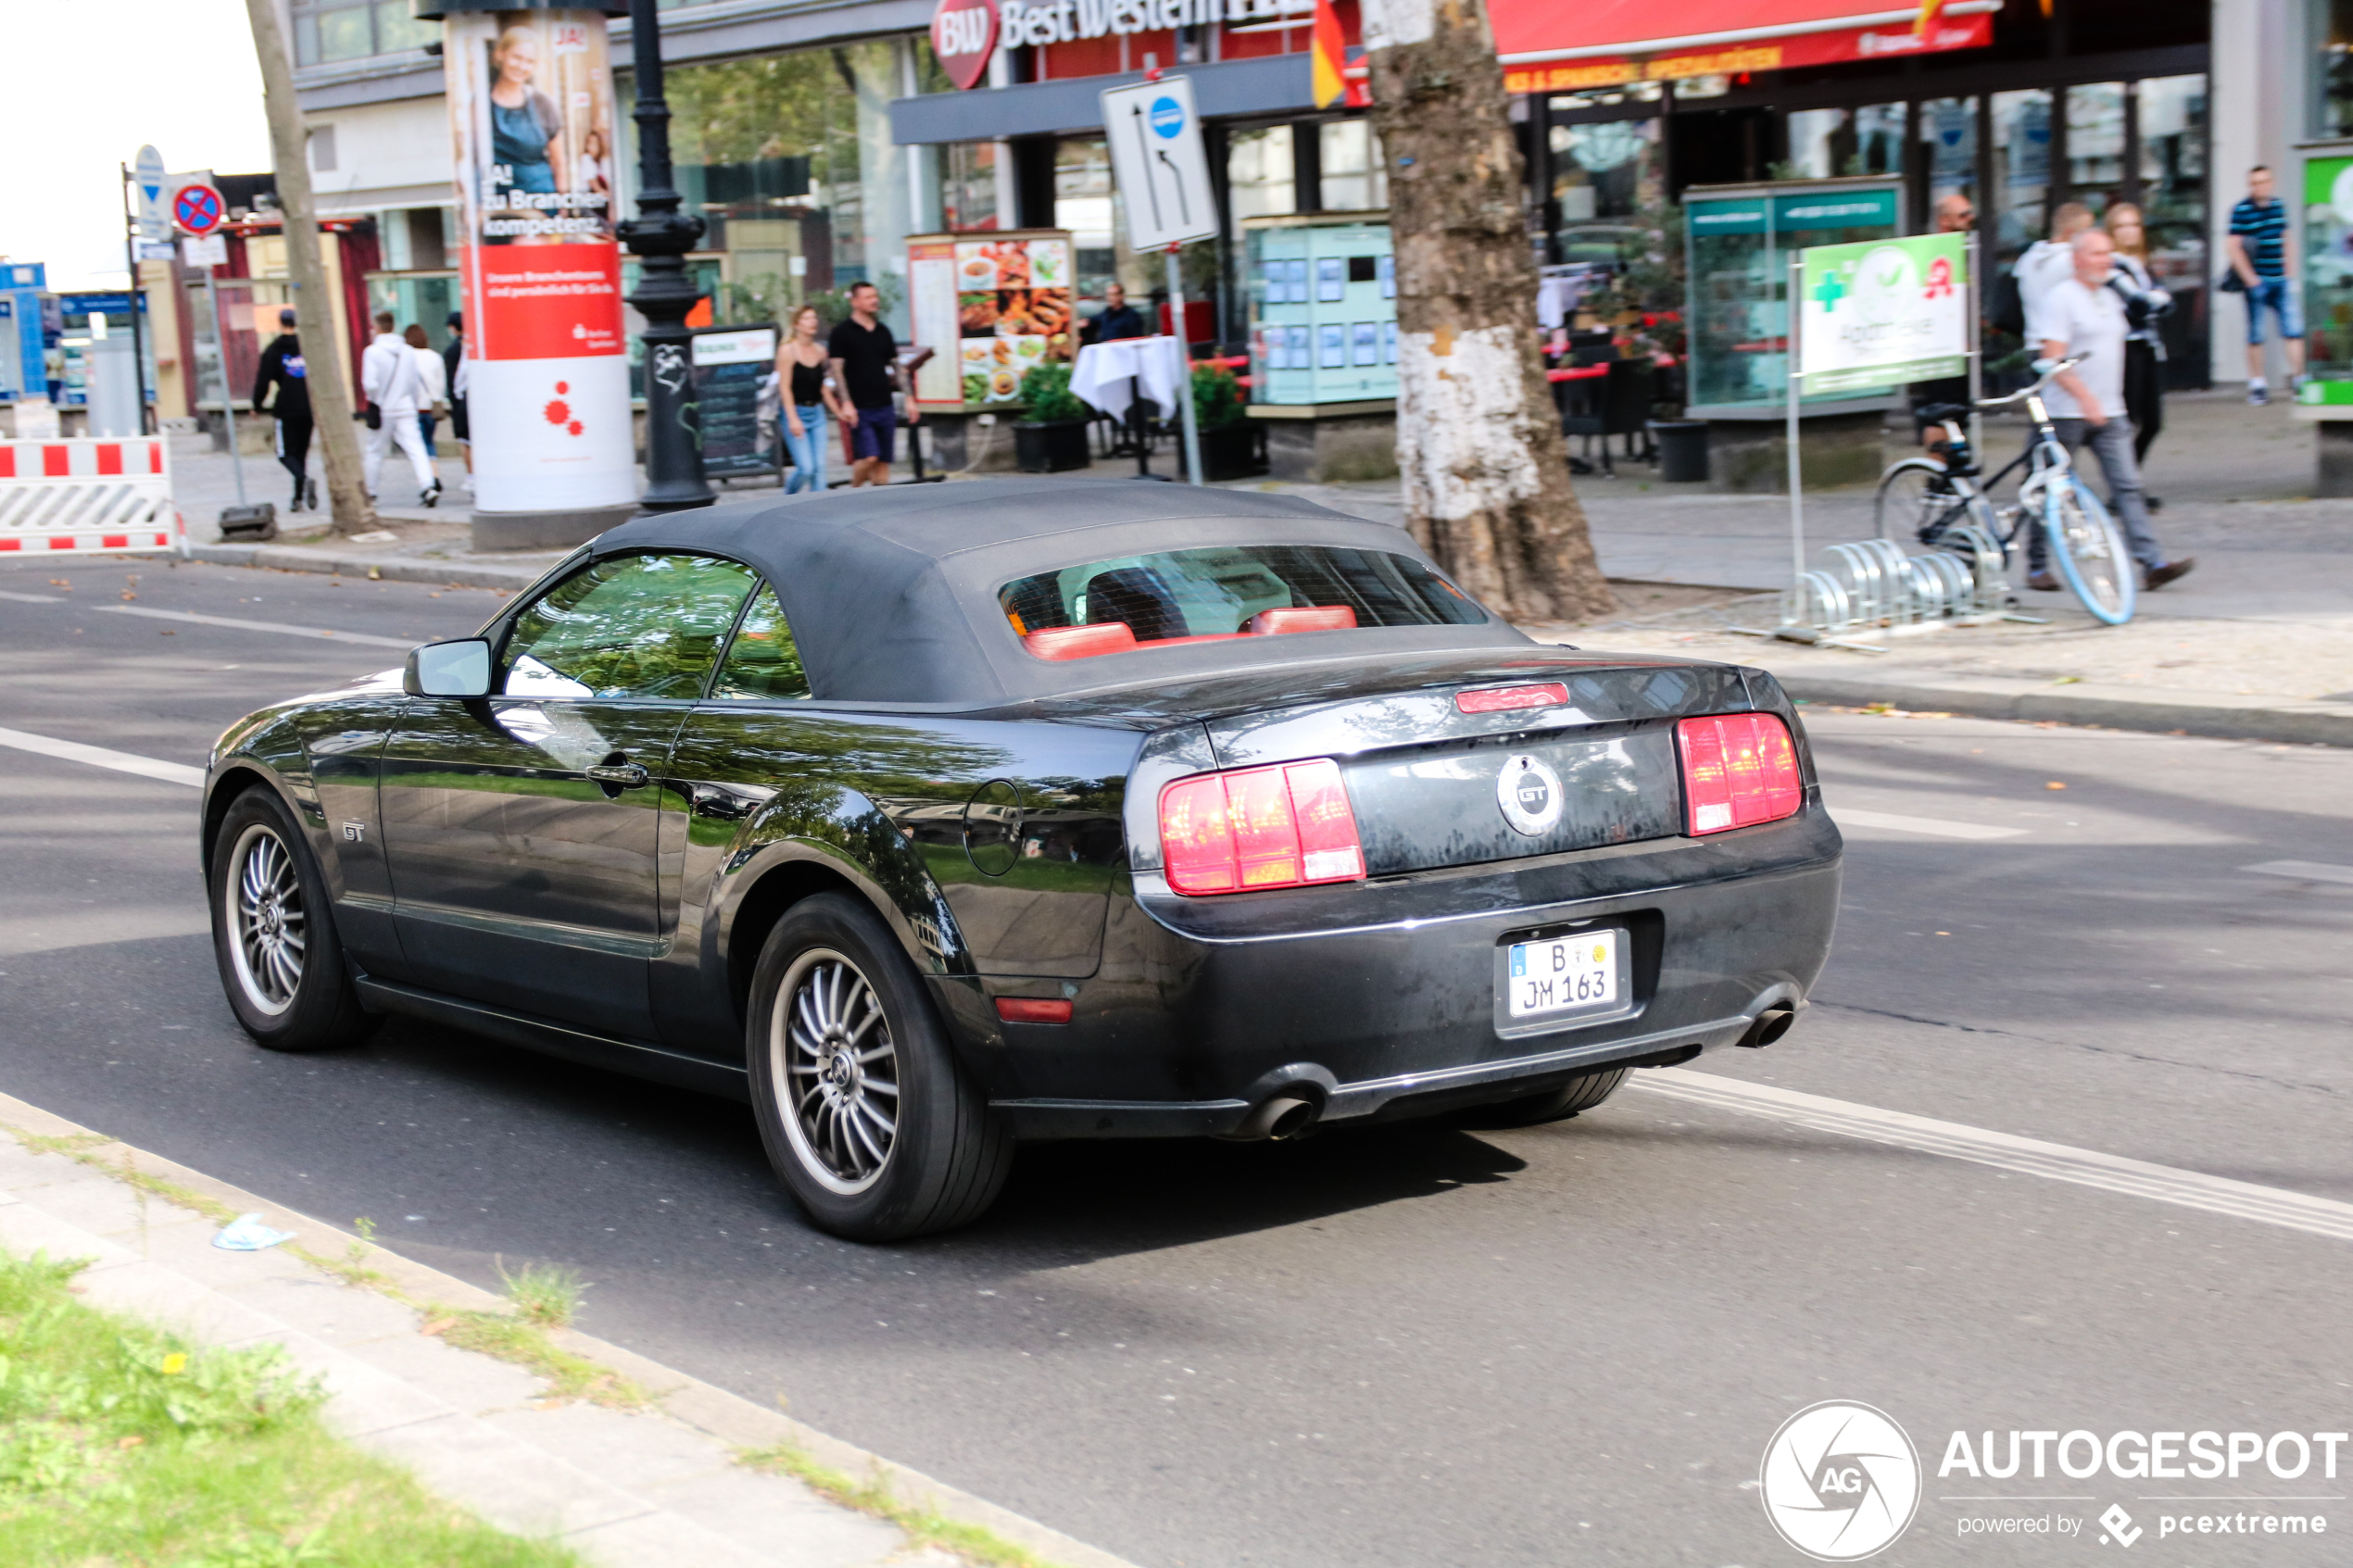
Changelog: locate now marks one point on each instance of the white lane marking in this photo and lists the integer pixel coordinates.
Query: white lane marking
(402, 643)
(1937, 826)
(2059, 1163)
(2303, 870)
(35, 598)
(99, 756)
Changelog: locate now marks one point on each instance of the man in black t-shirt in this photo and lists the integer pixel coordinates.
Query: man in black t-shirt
(282, 366)
(866, 366)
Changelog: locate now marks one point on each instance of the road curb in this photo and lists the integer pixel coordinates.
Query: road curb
(718, 1413)
(391, 569)
(2220, 715)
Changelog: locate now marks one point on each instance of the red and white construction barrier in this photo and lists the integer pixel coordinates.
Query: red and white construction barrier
(88, 496)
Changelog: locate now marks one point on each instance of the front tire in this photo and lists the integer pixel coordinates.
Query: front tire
(870, 1122)
(1547, 1105)
(273, 933)
(2089, 551)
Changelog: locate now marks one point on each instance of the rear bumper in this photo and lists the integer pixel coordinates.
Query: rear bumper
(1186, 1031)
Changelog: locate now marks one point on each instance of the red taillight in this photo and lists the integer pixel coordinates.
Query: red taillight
(1033, 1010)
(1259, 827)
(1739, 770)
(1503, 699)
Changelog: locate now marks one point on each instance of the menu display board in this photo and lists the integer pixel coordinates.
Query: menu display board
(1004, 302)
(732, 366)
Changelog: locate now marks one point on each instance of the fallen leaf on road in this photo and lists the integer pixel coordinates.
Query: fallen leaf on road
(2055, 785)
(438, 1327)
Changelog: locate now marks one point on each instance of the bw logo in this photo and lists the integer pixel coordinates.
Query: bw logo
(1841, 1482)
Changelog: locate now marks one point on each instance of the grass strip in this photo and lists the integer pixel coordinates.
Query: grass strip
(545, 1297)
(975, 1543)
(123, 1444)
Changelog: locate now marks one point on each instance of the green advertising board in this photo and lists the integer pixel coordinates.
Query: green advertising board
(1882, 312)
(1738, 241)
(2327, 253)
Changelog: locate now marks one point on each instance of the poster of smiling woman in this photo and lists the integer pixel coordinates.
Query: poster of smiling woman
(531, 118)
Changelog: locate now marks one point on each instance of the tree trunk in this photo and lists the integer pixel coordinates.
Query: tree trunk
(314, 310)
(1486, 471)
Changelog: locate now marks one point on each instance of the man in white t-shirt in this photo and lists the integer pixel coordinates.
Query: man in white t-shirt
(2049, 262)
(2080, 314)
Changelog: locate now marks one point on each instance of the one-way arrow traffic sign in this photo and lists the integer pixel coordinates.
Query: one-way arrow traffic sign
(1157, 158)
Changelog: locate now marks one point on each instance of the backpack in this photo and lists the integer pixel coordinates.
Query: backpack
(2007, 311)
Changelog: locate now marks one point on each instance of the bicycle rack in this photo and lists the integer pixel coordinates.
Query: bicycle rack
(1872, 588)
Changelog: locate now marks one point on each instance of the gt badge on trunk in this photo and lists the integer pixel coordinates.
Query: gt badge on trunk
(1529, 794)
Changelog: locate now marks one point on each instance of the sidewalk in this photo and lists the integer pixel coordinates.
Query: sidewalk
(2258, 643)
(659, 1485)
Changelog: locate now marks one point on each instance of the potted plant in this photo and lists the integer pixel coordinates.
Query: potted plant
(1052, 436)
(1231, 445)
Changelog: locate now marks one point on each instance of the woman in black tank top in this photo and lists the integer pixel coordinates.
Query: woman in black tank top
(809, 399)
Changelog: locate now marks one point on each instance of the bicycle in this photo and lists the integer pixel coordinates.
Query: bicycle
(1939, 498)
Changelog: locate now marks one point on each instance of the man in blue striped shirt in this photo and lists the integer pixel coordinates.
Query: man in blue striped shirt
(2259, 248)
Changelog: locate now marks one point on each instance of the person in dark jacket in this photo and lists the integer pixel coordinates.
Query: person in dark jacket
(451, 353)
(1119, 319)
(282, 367)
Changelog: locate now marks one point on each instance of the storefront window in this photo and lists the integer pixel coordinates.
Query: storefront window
(1819, 143)
(968, 186)
(1261, 174)
(1948, 148)
(2021, 175)
(2095, 144)
(1603, 173)
(1083, 204)
(2332, 95)
(1354, 177)
(1878, 141)
(790, 162)
(2171, 113)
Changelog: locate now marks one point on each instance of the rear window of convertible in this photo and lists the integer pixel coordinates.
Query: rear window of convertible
(1176, 596)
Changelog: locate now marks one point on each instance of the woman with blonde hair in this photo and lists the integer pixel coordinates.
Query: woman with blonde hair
(805, 387)
(2146, 304)
(526, 131)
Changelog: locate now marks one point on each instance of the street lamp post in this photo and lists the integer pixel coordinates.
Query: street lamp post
(660, 236)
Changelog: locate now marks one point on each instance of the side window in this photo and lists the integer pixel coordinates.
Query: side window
(631, 626)
(763, 663)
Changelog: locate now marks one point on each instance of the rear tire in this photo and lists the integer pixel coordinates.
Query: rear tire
(868, 1119)
(273, 933)
(1548, 1105)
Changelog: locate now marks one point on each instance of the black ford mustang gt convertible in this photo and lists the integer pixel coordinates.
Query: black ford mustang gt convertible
(934, 819)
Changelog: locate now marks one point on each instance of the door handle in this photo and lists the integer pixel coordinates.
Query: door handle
(628, 775)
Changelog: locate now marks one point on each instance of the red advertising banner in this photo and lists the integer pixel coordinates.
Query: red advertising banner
(1829, 48)
(531, 116)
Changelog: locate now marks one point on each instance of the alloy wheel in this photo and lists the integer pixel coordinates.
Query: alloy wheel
(267, 920)
(834, 1065)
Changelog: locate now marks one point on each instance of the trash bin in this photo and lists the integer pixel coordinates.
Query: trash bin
(1682, 450)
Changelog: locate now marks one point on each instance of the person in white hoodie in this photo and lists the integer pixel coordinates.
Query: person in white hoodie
(2049, 263)
(395, 388)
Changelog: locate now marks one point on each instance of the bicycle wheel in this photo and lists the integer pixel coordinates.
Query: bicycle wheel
(1916, 500)
(2089, 551)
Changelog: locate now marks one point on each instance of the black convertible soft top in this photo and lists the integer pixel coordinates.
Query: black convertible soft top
(892, 592)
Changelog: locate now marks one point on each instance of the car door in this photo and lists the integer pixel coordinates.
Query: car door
(523, 829)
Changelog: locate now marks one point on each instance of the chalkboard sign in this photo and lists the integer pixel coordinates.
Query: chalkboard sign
(739, 433)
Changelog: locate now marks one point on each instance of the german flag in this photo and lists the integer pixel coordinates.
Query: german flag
(1327, 52)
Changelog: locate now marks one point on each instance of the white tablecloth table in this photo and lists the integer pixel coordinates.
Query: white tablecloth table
(1102, 376)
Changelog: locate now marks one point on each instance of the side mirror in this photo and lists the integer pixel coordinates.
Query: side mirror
(459, 669)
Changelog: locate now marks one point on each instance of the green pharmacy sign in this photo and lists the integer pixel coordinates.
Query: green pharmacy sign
(1882, 312)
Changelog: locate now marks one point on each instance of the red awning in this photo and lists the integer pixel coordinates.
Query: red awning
(1546, 46)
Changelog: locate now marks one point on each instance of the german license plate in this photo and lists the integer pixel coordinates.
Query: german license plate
(1563, 973)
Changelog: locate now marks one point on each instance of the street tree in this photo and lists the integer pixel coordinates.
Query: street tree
(314, 304)
(1485, 468)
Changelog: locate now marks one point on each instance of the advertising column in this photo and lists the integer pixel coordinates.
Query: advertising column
(531, 118)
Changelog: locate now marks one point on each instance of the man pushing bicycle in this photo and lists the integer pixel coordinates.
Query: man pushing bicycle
(2080, 317)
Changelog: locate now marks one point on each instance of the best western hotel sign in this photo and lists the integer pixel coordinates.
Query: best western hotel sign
(966, 32)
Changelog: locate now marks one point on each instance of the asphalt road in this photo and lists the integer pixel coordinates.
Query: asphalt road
(1388, 1349)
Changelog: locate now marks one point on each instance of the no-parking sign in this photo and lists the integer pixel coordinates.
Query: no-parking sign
(198, 209)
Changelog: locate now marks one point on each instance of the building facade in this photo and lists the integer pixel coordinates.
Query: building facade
(815, 137)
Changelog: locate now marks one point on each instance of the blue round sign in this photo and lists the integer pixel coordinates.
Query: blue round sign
(1168, 117)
